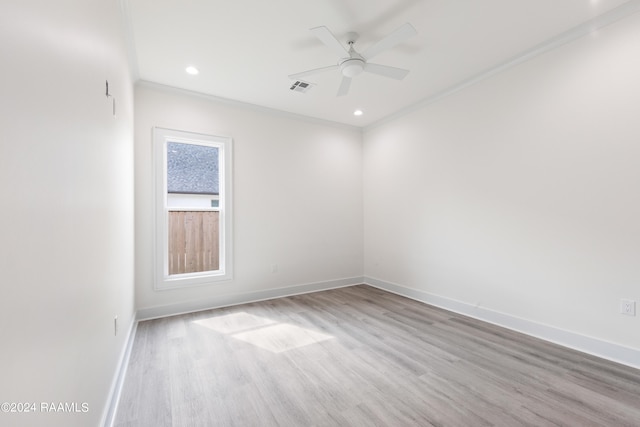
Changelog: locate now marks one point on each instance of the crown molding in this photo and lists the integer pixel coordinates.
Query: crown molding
(246, 105)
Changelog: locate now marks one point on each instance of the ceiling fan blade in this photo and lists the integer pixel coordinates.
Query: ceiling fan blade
(325, 36)
(344, 86)
(314, 71)
(386, 71)
(398, 36)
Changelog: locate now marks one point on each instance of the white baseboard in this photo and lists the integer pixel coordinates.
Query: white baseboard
(593, 346)
(109, 414)
(243, 298)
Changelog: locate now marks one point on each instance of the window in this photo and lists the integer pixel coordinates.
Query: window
(193, 208)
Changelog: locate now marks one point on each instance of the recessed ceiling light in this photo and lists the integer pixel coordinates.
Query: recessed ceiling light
(358, 113)
(192, 70)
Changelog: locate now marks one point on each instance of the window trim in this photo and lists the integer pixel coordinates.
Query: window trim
(162, 279)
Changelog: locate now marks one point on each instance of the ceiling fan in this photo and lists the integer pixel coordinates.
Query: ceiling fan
(352, 63)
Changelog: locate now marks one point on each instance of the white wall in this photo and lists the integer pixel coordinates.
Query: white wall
(519, 194)
(297, 199)
(66, 223)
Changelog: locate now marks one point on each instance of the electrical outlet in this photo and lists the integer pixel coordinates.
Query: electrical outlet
(115, 325)
(628, 307)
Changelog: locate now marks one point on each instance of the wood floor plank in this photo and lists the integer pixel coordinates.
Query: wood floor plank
(360, 356)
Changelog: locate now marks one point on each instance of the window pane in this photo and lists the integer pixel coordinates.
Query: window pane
(192, 169)
(192, 183)
(194, 241)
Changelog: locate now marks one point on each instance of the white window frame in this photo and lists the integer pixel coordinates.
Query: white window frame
(162, 280)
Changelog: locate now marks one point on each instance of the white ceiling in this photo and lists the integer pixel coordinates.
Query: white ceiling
(245, 49)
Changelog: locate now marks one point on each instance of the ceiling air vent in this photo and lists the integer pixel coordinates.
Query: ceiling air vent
(301, 86)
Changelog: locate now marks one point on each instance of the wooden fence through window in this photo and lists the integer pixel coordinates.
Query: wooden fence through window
(194, 241)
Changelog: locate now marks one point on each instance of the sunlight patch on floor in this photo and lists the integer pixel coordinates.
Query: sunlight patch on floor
(282, 337)
(271, 335)
(234, 322)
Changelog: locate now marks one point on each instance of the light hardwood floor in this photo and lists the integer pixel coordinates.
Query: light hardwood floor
(360, 356)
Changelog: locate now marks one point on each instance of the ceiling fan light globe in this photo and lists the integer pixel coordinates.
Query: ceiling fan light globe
(352, 67)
